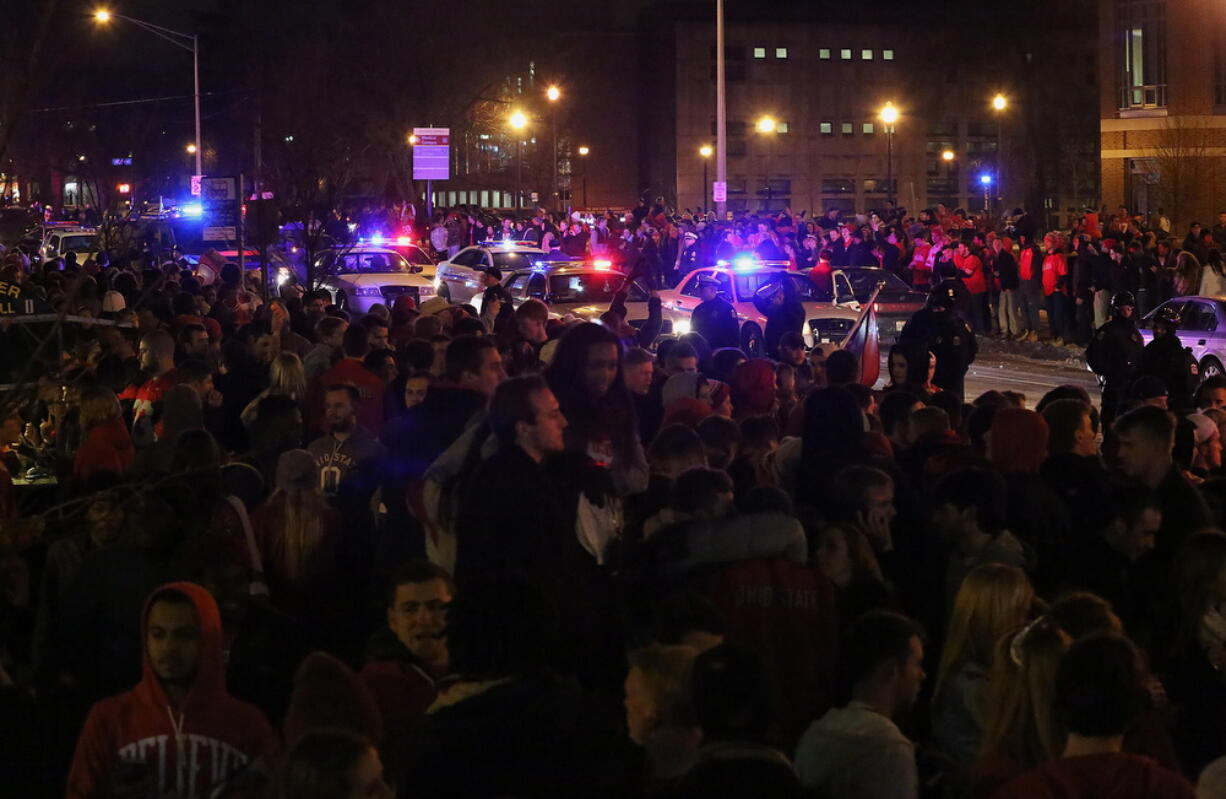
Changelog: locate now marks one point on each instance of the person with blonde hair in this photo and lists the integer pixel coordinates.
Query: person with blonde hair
(659, 714)
(286, 377)
(994, 599)
(1021, 730)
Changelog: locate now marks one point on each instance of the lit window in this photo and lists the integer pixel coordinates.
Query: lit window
(781, 52)
(781, 127)
(826, 128)
(887, 55)
(868, 128)
(866, 55)
(824, 54)
(759, 52)
(848, 129)
(845, 55)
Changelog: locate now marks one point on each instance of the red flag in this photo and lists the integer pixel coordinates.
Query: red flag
(862, 340)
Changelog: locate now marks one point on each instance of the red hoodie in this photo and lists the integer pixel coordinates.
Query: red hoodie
(185, 750)
(107, 448)
(972, 273)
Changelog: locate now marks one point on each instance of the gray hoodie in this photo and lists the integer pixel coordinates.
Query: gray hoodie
(854, 752)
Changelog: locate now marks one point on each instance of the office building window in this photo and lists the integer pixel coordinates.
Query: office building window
(887, 55)
(845, 54)
(877, 186)
(736, 147)
(866, 55)
(838, 186)
(943, 127)
(824, 54)
(1219, 73)
(825, 128)
(868, 129)
(942, 187)
(1141, 33)
(781, 127)
(759, 52)
(781, 52)
(848, 128)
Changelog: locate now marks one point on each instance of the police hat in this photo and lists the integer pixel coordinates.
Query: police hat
(1148, 387)
(707, 280)
(768, 290)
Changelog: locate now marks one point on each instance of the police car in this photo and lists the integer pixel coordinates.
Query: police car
(60, 239)
(361, 276)
(584, 289)
(826, 321)
(1202, 329)
(459, 278)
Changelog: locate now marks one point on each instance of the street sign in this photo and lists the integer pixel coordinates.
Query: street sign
(719, 191)
(432, 154)
(196, 185)
(220, 208)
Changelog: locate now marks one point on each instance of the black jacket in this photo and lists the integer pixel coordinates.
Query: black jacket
(1115, 351)
(949, 337)
(1006, 270)
(1166, 359)
(716, 321)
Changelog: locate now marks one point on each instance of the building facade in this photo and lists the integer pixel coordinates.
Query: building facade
(1162, 98)
(823, 80)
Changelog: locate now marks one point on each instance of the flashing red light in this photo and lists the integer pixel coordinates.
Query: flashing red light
(602, 264)
(124, 188)
(403, 241)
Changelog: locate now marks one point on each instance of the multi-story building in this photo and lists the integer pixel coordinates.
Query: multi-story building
(1162, 97)
(823, 76)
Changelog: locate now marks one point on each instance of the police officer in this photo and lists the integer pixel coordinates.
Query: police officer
(1168, 360)
(941, 330)
(714, 318)
(1115, 352)
(779, 301)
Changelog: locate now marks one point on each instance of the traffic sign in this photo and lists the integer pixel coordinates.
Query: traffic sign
(719, 191)
(220, 209)
(432, 154)
(196, 185)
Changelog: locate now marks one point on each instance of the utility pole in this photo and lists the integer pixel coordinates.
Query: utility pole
(721, 109)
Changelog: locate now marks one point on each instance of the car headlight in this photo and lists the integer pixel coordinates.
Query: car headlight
(681, 327)
(368, 291)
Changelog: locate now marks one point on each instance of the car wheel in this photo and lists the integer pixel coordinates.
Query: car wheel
(751, 339)
(1211, 367)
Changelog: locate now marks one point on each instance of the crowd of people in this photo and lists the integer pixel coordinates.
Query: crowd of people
(265, 548)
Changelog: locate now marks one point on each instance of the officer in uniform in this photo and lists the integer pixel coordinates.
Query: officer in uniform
(1115, 352)
(779, 301)
(714, 318)
(1168, 360)
(941, 330)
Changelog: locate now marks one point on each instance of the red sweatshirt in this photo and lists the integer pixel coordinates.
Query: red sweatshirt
(1025, 264)
(107, 447)
(185, 750)
(1054, 268)
(972, 273)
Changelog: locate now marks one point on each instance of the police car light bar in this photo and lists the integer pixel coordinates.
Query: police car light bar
(376, 239)
(602, 264)
(403, 241)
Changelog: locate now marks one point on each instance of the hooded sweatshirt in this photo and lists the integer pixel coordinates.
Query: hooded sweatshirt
(107, 448)
(207, 739)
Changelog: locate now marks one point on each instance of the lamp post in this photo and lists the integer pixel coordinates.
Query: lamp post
(705, 151)
(583, 151)
(889, 116)
(999, 104)
(947, 155)
(518, 121)
(766, 125)
(185, 41)
(986, 181)
(553, 94)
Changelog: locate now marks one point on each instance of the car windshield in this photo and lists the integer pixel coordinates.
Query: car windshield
(749, 282)
(368, 262)
(416, 255)
(84, 243)
(586, 287)
(864, 282)
(510, 261)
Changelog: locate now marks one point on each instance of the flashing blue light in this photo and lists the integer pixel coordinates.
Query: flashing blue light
(376, 239)
(192, 209)
(985, 179)
(721, 262)
(744, 262)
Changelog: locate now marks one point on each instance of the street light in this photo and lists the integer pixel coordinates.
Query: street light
(412, 139)
(999, 104)
(948, 155)
(706, 151)
(185, 41)
(518, 121)
(191, 149)
(889, 116)
(583, 151)
(767, 126)
(553, 94)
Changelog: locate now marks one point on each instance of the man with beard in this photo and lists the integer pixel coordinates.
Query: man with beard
(157, 363)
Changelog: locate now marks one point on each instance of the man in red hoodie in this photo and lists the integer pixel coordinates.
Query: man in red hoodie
(970, 268)
(178, 732)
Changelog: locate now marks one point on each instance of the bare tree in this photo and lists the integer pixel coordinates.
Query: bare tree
(1188, 175)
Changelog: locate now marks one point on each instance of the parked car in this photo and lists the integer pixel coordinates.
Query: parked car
(580, 288)
(1202, 328)
(359, 277)
(459, 278)
(897, 302)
